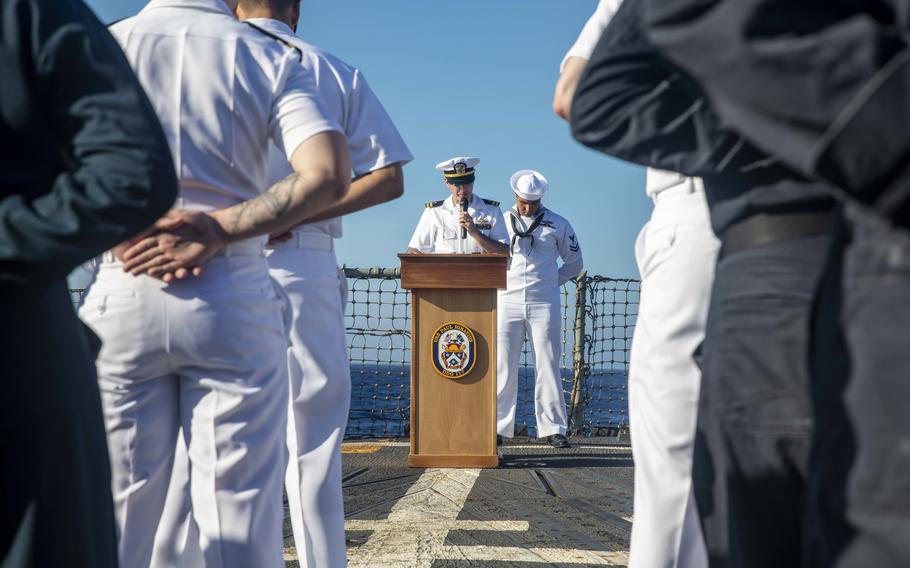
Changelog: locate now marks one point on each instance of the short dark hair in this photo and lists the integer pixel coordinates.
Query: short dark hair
(275, 5)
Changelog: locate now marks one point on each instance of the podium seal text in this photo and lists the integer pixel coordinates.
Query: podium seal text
(454, 350)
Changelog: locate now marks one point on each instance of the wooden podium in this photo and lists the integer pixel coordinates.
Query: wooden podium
(453, 408)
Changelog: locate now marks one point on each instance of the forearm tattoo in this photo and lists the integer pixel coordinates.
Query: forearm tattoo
(269, 206)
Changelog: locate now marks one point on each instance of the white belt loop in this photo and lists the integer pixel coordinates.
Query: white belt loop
(680, 207)
(686, 188)
(311, 240)
(249, 247)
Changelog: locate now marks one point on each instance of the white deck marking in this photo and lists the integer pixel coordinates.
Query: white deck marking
(543, 556)
(415, 531)
(447, 525)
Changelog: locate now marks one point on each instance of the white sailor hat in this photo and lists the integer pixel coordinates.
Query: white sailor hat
(529, 185)
(458, 171)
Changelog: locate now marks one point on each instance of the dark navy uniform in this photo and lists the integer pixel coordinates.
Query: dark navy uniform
(823, 86)
(754, 430)
(85, 166)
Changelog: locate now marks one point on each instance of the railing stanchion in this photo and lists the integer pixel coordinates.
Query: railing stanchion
(579, 368)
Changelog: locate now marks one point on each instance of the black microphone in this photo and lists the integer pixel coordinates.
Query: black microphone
(464, 208)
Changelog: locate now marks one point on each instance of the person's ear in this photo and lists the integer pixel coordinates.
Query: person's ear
(232, 5)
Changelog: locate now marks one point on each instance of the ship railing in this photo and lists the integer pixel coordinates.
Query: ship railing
(597, 314)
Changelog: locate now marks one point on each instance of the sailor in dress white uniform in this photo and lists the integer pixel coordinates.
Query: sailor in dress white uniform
(530, 306)
(209, 354)
(303, 262)
(440, 227)
(306, 267)
(676, 252)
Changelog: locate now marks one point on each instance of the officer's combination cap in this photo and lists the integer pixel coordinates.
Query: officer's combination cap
(458, 171)
(529, 185)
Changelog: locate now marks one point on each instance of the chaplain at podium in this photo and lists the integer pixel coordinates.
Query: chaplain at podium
(463, 223)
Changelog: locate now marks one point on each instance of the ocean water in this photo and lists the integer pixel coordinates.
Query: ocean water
(381, 399)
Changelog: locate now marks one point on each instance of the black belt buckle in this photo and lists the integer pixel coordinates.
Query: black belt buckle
(767, 228)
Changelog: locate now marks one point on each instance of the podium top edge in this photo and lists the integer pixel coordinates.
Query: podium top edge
(410, 255)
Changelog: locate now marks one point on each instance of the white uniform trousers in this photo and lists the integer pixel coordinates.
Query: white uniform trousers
(320, 397)
(540, 322)
(208, 355)
(676, 252)
(320, 389)
(177, 539)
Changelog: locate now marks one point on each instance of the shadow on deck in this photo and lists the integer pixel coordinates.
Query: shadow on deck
(541, 507)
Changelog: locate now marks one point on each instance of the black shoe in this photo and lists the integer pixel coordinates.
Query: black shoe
(558, 441)
(498, 440)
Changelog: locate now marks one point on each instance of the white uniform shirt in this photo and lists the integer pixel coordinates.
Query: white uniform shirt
(534, 275)
(222, 91)
(664, 183)
(594, 27)
(439, 231)
(372, 137)
(657, 181)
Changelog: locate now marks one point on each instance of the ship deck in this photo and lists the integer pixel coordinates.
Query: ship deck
(540, 507)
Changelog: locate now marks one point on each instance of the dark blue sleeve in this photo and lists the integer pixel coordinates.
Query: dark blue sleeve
(66, 80)
(635, 105)
(822, 84)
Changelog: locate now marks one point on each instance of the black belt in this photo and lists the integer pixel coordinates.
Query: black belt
(766, 228)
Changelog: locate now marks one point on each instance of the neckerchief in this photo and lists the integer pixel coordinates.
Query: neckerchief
(527, 234)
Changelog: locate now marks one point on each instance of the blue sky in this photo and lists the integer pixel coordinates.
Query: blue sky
(472, 77)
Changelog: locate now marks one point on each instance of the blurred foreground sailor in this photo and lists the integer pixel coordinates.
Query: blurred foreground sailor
(85, 166)
(575, 60)
(530, 306)
(751, 455)
(463, 223)
(209, 354)
(826, 90)
(675, 252)
(303, 262)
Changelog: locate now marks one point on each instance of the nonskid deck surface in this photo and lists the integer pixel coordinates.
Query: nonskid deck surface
(541, 507)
